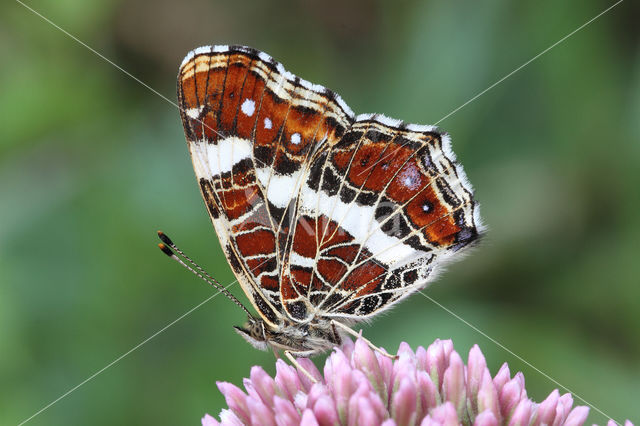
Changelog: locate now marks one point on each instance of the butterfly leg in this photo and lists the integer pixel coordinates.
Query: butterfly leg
(296, 364)
(336, 336)
(275, 352)
(359, 336)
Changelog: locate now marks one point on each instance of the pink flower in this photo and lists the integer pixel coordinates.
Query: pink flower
(427, 387)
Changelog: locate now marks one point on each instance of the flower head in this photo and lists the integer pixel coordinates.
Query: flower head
(427, 387)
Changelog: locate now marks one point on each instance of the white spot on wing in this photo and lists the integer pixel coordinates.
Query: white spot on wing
(313, 87)
(267, 123)
(281, 187)
(295, 138)
(194, 52)
(364, 117)
(410, 177)
(296, 259)
(201, 50)
(221, 157)
(265, 57)
(421, 128)
(263, 176)
(194, 112)
(248, 107)
(387, 121)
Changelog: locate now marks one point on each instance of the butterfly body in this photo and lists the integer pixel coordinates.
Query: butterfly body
(324, 216)
(302, 339)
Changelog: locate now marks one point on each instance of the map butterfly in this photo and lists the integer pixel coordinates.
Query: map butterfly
(327, 218)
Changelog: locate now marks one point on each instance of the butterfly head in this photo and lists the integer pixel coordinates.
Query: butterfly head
(254, 332)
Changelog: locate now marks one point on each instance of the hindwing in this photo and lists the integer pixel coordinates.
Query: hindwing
(380, 210)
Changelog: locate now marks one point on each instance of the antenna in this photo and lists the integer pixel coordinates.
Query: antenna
(166, 247)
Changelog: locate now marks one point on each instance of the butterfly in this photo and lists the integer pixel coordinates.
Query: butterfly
(326, 218)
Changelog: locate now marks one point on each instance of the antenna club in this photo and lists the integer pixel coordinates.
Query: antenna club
(165, 239)
(166, 250)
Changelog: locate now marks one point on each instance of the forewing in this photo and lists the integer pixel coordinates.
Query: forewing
(251, 128)
(380, 210)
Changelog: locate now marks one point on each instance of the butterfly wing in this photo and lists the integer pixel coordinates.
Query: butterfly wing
(251, 128)
(381, 209)
(319, 213)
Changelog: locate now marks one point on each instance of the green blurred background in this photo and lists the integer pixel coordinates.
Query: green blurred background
(92, 163)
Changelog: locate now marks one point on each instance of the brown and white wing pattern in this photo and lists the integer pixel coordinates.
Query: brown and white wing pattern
(251, 128)
(321, 214)
(381, 209)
